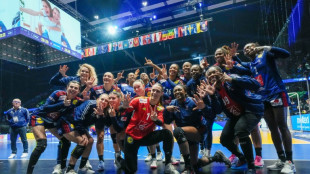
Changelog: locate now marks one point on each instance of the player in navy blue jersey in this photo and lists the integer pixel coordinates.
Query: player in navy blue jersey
(47, 117)
(127, 88)
(243, 108)
(186, 76)
(224, 57)
(189, 115)
(264, 70)
(85, 73)
(88, 113)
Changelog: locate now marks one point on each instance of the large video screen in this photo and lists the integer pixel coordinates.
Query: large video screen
(9, 16)
(48, 21)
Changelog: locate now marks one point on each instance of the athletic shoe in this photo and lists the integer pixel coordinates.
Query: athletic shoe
(233, 159)
(288, 168)
(159, 156)
(57, 169)
(86, 170)
(251, 171)
(201, 153)
(13, 155)
(241, 165)
(71, 172)
(278, 165)
(118, 162)
(153, 164)
(88, 165)
(169, 168)
(259, 162)
(220, 157)
(182, 159)
(148, 158)
(101, 165)
(173, 161)
(207, 152)
(24, 155)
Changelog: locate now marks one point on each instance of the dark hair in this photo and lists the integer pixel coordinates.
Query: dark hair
(215, 67)
(49, 5)
(182, 86)
(76, 82)
(200, 69)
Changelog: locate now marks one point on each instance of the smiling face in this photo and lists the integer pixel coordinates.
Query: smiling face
(108, 78)
(73, 90)
(196, 72)
(186, 67)
(156, 93)
(139, 88)
(16, 103)
(174, 70)
(249, 50)
(104, 99)
(56, 15)
(84, 73)
(212, 78)
(114, 100)
(144, 77)
(131, 78)
(46, 8)
(219, 56)
(179, 93)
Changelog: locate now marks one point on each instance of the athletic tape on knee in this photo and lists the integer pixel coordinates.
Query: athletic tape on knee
(78, 151)
(179, 135)
(113, 136)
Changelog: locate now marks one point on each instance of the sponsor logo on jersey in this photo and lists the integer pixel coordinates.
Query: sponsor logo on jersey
(142, 100)
(130, 140)
(160, 108)
(62, 97)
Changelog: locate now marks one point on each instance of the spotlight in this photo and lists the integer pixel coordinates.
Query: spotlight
(144, 3)
(96, 17)
(154, 17)
(112, 29)
(200, 4)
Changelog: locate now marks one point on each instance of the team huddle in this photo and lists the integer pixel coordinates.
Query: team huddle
(184, 106)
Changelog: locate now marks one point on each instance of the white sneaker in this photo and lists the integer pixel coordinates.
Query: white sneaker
(57, 169)
(24, 155)
(201, 153)
(182, 159)
(88, 165)
(148, 158)
(169, 168)
(207, 153)
(288, 168)
(71, 172)
(153, 164)
(13, 155)
(173, 161)
(86, 170)
(101, 166)
(278, 165)
(159, 156)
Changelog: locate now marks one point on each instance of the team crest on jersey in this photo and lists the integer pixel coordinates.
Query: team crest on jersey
(142, 100)
(124, 119)
(74, 102)
(39, 121)
(260, 55)
(160, 108)
(130, 140)
(144, 109)
(62, 97)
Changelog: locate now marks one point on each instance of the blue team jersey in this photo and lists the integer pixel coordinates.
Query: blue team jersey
(264, 70)
(96, 91)
(192, 85)
(186, 116)
(126, 89)
(168, 86)
(54, 107)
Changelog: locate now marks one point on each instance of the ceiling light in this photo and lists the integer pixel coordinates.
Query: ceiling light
(96, 17)
(144, 3)
(154, 17)
(112, 29)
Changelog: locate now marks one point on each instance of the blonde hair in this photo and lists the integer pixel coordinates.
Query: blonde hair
(92, 72)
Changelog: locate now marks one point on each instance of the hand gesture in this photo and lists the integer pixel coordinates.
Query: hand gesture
(86, 95)
(199, 102)
(137, 72)
(89, 83)
(153, 115)
(99, 109)
(111, 111)
(172, 109)
(63, 70)
(234, 49)
(152, 75)
(229, 62)
(120, 75)
(67, 102)
(117, 89)
(204, 63)
(126, 101)
(164, 71)
(226, 78)
(207, 88)
(148, 62)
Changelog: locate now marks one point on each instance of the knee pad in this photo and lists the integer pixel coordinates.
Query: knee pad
(179, 135)
(78, 151)
(41, 145)
(113, 136)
